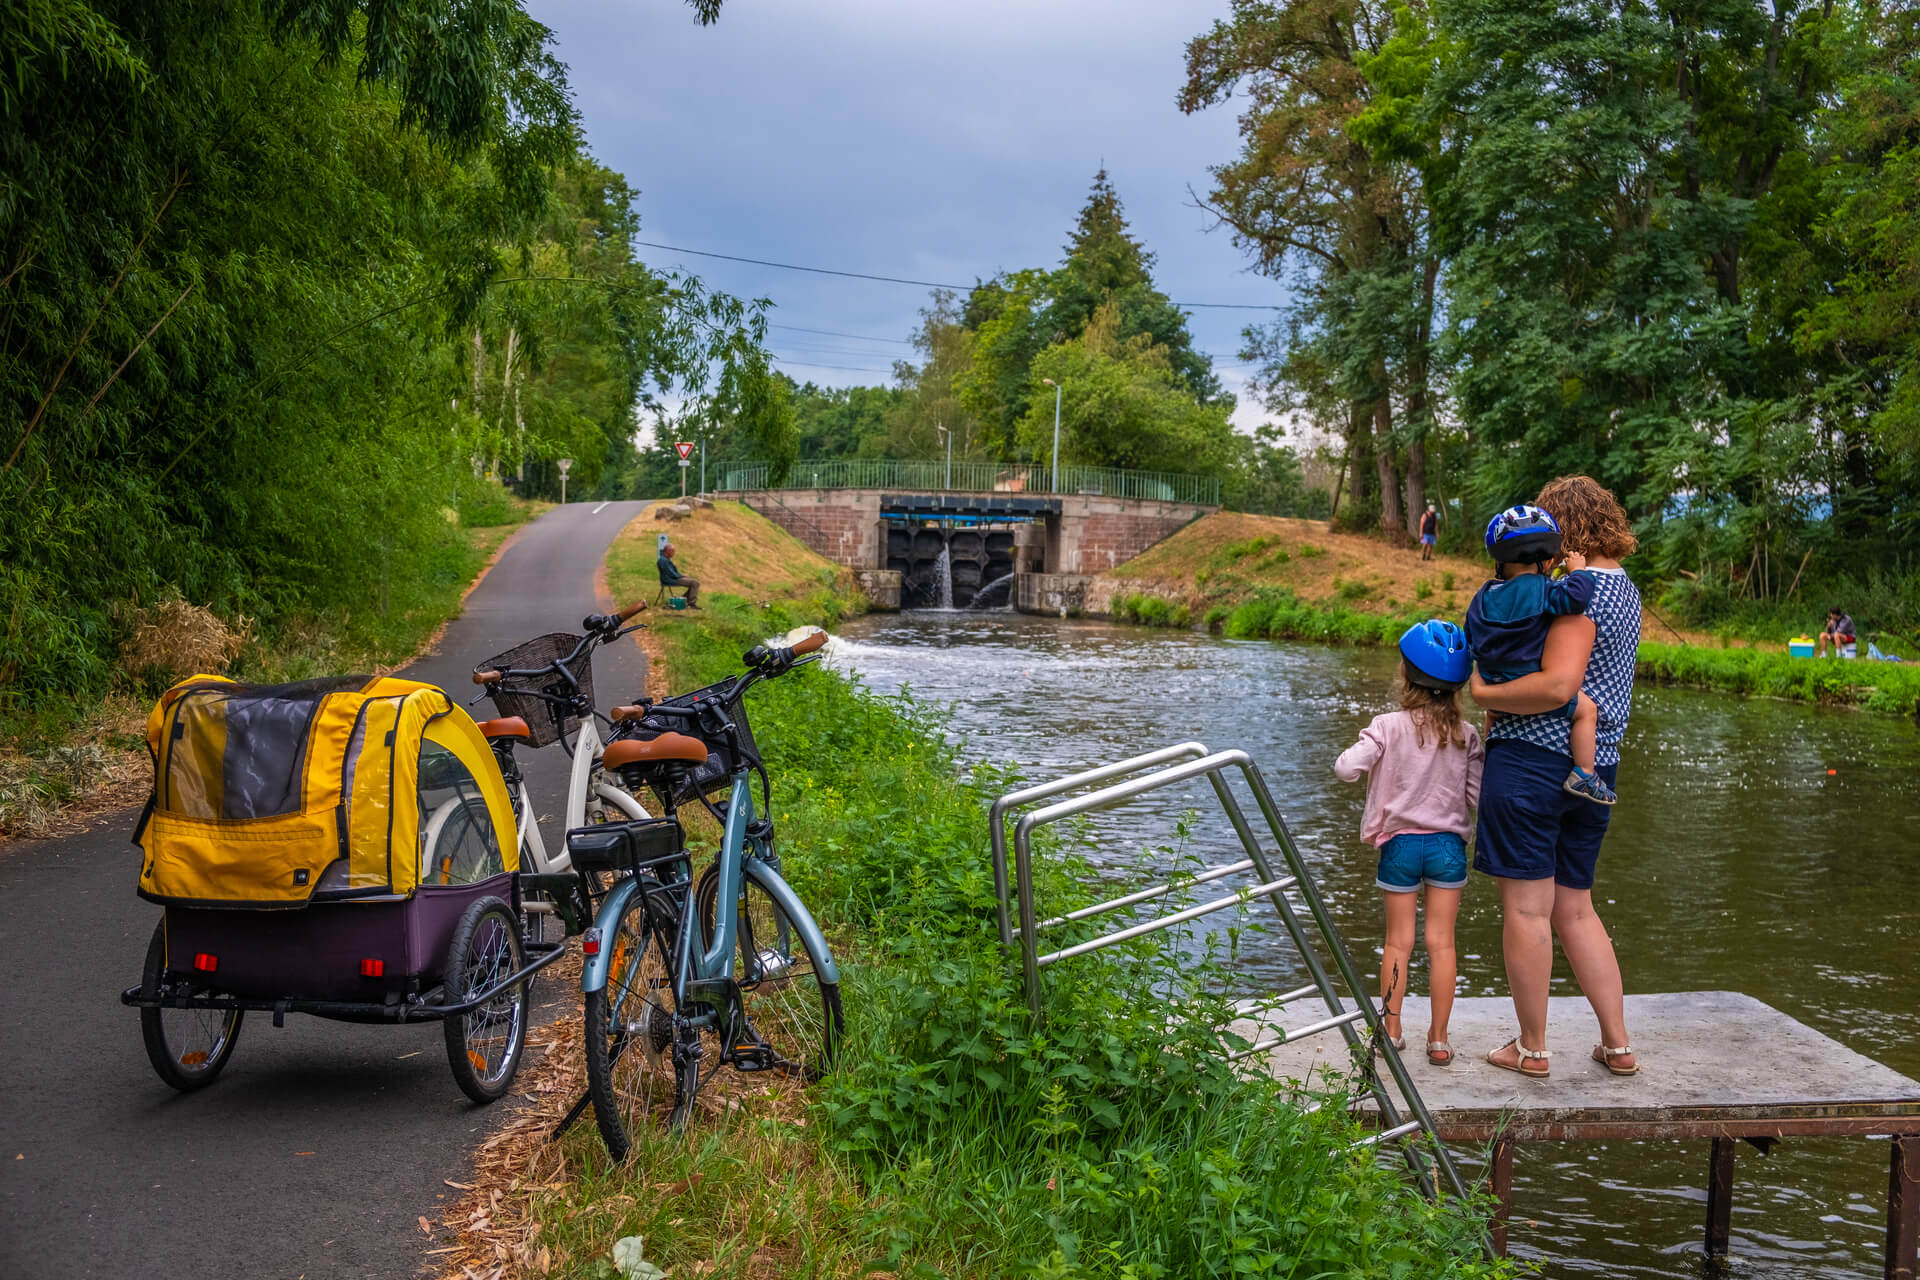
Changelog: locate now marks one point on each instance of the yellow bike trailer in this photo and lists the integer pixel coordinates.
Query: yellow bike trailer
(341, 847)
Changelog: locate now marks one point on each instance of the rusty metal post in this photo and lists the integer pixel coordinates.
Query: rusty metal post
(1502, 1192)
(1903, 1207)
(1720, 1197)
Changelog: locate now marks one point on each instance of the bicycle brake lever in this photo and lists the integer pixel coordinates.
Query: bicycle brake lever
(627, 631)
(479, 697)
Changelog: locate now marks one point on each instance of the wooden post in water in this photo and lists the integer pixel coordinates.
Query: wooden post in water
(1903, 1207)
(1502, 1191)
(1720, 1197)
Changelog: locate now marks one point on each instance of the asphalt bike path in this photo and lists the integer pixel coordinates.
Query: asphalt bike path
(322, 1144)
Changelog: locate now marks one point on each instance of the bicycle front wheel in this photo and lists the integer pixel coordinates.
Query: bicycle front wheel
(641, 1067)
(792, 1017)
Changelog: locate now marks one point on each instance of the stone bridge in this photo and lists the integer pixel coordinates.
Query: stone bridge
(931, 548)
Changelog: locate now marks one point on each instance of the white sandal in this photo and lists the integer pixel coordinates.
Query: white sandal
(1440, 1046)
(1605, 1056)
(1526, 1055)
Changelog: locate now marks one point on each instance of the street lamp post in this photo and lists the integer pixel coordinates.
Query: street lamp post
(1056, 432)
(941, 428)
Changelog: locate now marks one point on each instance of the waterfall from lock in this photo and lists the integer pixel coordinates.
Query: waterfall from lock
(943, 577)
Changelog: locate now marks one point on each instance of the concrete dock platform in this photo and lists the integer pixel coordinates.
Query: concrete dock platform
(1714, 1064)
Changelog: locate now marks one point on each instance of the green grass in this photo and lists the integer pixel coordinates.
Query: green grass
(957, 1137)
(1279, 614)
(1152, 611)
(1877, 686)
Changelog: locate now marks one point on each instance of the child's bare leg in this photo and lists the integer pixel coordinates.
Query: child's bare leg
(1581, 734)
(1443, 908)
(1586, 727)
(1396, 952)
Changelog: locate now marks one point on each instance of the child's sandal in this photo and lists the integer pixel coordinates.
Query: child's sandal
(1520, 1067)
(1605, 1056)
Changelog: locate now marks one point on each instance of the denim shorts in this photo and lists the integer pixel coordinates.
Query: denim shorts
(1437, 858)
(1530, 827)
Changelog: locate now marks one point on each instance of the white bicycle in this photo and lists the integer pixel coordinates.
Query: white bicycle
(543, 690)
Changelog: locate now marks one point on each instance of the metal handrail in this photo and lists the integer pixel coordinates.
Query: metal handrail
(1164, 922)
(976, 477)
(1148, 894)
(1214, 766)
(997, 815)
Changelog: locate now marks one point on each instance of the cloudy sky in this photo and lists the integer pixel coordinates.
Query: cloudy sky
(932, 141)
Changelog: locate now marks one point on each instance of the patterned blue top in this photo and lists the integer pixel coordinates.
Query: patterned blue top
(1615, 611)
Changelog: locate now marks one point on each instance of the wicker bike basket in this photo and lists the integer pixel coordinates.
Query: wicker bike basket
(547, 721)
(717, 773)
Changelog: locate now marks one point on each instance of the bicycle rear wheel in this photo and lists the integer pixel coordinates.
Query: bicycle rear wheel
(641, 1067)
(792, 1017)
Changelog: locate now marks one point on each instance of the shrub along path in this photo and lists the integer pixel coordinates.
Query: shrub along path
(323, 1145)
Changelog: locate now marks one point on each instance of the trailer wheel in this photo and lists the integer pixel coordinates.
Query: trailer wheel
(484, 1043)
(187, 1047)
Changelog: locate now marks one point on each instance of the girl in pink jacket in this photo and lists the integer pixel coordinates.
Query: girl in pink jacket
(1422, 764)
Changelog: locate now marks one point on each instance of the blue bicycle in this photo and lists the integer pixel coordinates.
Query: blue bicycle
(683, 977)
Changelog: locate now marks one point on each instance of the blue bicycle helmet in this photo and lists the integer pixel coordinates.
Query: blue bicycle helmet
(1523, 534)
(1436, 654)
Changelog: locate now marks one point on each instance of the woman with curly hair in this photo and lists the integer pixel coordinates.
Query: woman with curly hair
(1539, 842)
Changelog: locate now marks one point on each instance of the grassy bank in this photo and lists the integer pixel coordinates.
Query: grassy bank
(64, 756)
(1217, 563)
(956, 1138)
(1266, 578)
(729, 549)
(1877, 686)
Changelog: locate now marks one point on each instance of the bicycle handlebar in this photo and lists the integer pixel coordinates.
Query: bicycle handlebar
(487, 677)
(811, 643)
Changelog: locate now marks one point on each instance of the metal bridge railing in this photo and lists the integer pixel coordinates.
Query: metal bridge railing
(977, 477)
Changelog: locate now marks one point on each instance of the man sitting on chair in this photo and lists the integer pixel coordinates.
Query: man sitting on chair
(670, 576)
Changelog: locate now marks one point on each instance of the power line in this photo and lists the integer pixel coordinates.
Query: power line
(835, 333)
(919, 284)
(844, 368)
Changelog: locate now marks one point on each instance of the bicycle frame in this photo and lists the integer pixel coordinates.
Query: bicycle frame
(741, 857)
(586, 783)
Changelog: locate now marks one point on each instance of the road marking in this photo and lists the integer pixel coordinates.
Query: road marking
(602, 507)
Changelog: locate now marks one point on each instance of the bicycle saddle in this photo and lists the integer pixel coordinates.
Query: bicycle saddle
(665, 748)
(504, 727)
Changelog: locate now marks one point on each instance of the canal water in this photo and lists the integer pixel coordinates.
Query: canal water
(1758, 846)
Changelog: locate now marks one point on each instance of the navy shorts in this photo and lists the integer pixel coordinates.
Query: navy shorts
(1530, 827)
(1436, 858)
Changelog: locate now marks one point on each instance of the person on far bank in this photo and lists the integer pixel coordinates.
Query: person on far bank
(670, 576)
(1429, 531)
(1422, 764)
(1839, 635)
(1508, 618)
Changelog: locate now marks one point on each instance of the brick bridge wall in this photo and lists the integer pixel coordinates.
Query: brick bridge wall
(1089, 535)
(841, 524)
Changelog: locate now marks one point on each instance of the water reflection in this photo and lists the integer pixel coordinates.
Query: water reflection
(1736, 860)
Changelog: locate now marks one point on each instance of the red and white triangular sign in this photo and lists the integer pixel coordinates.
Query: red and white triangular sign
(685, 447)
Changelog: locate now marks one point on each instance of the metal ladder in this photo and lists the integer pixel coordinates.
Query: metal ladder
(1170, 766)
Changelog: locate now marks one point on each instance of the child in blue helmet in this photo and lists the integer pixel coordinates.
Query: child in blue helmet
(1508, 619)
(1422, 765)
